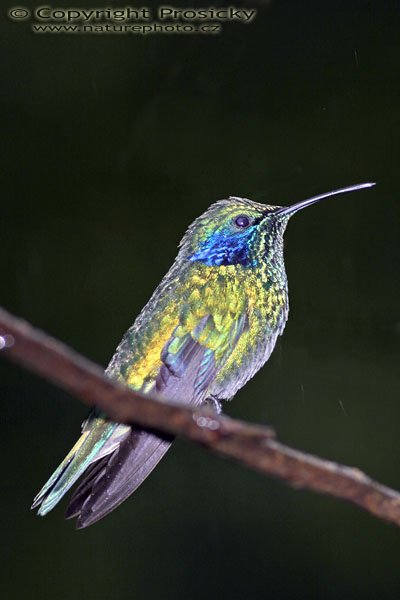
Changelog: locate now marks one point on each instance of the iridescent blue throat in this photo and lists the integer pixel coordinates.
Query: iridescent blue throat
(227, 248)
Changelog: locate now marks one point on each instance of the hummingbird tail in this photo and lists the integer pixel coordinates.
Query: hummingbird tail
(110, 480)
(74, 464)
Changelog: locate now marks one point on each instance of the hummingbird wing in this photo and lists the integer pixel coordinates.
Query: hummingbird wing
(190, 361)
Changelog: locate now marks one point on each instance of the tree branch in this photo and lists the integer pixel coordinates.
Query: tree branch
(250, 445)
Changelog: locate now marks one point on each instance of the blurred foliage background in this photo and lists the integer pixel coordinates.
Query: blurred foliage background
(111, 146)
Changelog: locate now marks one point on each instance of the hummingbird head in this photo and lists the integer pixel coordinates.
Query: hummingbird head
(238, 231)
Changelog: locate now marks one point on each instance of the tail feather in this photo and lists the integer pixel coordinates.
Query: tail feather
(58, 473)
(114, 478)
(75, 463)
(92, 474)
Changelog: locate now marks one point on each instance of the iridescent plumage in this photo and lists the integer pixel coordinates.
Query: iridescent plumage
(207, 329)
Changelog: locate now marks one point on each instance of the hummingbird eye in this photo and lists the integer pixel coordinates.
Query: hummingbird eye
(242, 221)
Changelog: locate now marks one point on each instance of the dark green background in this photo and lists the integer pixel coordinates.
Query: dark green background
(112, 145)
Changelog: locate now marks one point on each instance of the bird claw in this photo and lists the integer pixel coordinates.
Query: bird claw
(214, 404)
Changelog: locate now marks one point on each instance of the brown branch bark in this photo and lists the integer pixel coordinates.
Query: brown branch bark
(250, 445)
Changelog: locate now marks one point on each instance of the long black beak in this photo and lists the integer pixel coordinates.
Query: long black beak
(290, 210)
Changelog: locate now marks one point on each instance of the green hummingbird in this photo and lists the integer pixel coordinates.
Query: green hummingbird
(209, 326)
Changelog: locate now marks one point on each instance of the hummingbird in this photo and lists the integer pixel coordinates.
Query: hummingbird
(209, 326)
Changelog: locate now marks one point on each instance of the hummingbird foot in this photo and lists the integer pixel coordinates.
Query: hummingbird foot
(214, 404)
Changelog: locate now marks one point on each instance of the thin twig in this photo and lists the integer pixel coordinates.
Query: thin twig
(250, 445)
